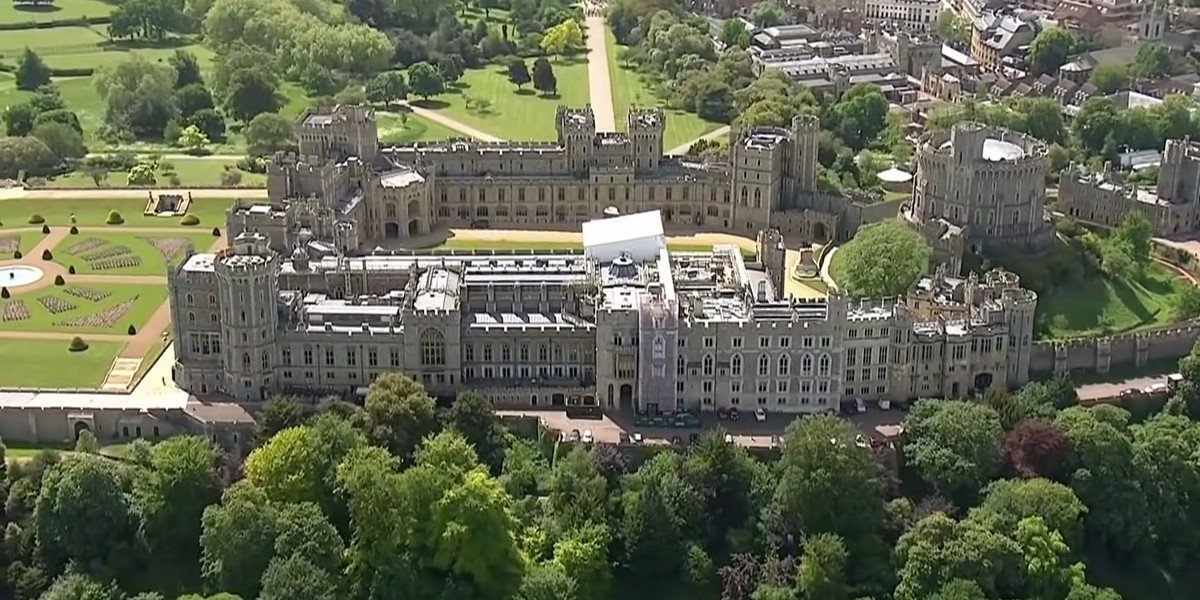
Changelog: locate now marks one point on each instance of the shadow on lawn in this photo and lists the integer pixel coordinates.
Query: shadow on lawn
(431, 104)
(37, 8)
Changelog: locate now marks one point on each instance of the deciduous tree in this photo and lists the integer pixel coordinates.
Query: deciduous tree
(32, 73)
(883, 259)
(398, 413)
(953, 444)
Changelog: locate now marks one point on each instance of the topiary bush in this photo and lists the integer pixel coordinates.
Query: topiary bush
(216, 232)
(4, 292)
(189, 219)
(45, 229)
(17, 254)
(46, 255)
(36, 219)
(114, 218)
(132, 330)
(71, 270)
(78, 345)
(58, 280)
(74, 230)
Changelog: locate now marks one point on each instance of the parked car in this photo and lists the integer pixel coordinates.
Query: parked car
(860, 406)
(1156, 389)
(729, 438)
(760, 414)
(637, 437)
(571, 436)
(734, 414)
(885, 404)
(722, 413)
(587, 436)
(776, 441)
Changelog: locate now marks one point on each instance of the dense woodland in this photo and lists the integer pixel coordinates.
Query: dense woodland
(1011, 495)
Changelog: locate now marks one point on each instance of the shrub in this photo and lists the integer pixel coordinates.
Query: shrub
(231, 177)
(78, 345)
(46, 255)
(17, 254)
(216, 232)
(74, 230)
(114, 218)
(189, 219)
(58, 280)
(36, 219)
(4, 292)
(132, 330)
(71, 270)
(45, 229)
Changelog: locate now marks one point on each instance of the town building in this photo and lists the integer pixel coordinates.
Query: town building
(307, 299)
(1002, 33)
(909, 15)
(1171, 208)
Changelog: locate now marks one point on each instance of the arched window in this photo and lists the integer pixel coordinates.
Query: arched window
(212, 298)
(745, 195)
(433, 348)
(125, 431)
(785, 365)
(191, 317)
(680, 365)
(389, 210)
(246, 360)
(266, 362)
(823, 365)
(806, 364)
(764, 365)
(414, 209)
(156, 431)
(735, 365)
(757, 197)
(706, 365)
(660, 347)
(188, 299)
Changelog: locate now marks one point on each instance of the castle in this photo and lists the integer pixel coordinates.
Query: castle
(1172, 208)
(302, 301)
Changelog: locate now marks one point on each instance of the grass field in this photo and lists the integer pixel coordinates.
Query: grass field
(153, 261)
(49, 42)
(25, 241)
(194, 172)
(92, 212)
(1104, 305)
(630, 88)
(48, 364)
(66, 9)
(394, 129)
(515, 114)
(142, 300)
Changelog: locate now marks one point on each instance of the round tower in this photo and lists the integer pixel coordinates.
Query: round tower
(248, 283)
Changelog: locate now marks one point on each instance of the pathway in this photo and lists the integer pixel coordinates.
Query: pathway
(458, 126)
(599, 84)
(102, 193)
(712, 135)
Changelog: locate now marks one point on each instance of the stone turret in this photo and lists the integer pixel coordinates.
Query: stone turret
(248, 283)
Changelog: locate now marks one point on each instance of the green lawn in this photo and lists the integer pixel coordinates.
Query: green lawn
(48, 364)
(194, 172)
(1101, 305)
(152, 251)
(138, 302)
(395, 129)
(24, 241)
(514, 114)
(65, 9)
(630, 88)
(92, 212)
(49, 42)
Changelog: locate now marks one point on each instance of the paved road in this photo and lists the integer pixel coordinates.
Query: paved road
(1110, 389)
(712, 135)
(98, 193)
(599, 82)
(463, 128)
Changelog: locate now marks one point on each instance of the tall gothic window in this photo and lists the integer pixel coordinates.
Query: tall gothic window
(433, 348)
(735, 365)
(785, 365)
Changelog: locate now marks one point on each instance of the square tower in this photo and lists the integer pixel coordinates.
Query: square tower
(576, 134)
(645, 128)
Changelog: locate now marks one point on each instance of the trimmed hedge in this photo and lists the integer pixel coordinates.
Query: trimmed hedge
(114, 218)
(58, 280)
(82, 21)
(71, 270)
(4, 293)
(45, 229)
(46, 255)
(36, 219)
(78, 345)
(132, 330)
(74, 230)
(189, 219)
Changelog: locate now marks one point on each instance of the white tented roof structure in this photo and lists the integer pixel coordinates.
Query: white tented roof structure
(894, 175)
(639, 236)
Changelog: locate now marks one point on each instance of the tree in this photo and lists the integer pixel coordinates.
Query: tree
(883, 259)
(77, 586)
(299, 464)
(387, 87)
(734, 34)
(268, 133)
(953, 28)
(547, 582)
(279, 413)
(147, 19)
(251, 92)
(61, 116)
(61, 139)
(180, 483)
(1041, 118)
(577, 490)
(953, 444)
(238, 540)
(32, 73)
(450, 69)
(193, 98)
(518, 73)
(1034, 449)
(940, 550)
(473, 417)
(562, 38)
(295, 578)
(657, 509)
(1110, 77)
(1006, 502)
(768, 14)
(399, 413)
(1050, 49)
(187, 69)
(861, 114)
(1186, 303)
(544, 79)
(138, 95)
(1163, 456)
(822, 573)
(209, 122)
(87, 443)
(1152, 61)
(83, 514)
(1095, 123)
(425, 80)
(141, 175)
(192, 138)
(582, 553)
(28, 154)
(723, 475)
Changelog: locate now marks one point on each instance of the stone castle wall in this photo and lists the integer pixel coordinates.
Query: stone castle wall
(1102, 354)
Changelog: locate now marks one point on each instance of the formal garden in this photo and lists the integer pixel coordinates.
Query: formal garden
(103, 266)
